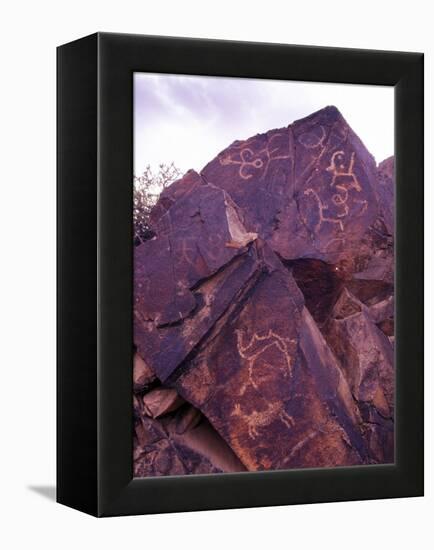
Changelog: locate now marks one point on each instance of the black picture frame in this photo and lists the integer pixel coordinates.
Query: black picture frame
(95, 167)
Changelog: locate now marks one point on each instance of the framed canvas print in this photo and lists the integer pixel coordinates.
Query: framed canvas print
(240, 274)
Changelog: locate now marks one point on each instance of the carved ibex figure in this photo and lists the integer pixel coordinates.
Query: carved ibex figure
(250, 352)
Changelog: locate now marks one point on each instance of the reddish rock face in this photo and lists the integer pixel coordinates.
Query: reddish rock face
(366, 358)
(308, 189)
(187, 275)
(385, 192)
(270, 385)
(263, 309)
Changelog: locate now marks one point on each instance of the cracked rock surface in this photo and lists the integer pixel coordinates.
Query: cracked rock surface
(264, 309)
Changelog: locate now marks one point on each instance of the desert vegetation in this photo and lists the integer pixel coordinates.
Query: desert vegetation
(147, 188)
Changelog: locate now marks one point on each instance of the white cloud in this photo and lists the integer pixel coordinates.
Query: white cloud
(189, 119)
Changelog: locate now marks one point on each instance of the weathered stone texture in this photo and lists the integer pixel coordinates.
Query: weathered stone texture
(264, 309)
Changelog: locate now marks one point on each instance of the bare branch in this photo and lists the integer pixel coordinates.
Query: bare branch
(147, 189)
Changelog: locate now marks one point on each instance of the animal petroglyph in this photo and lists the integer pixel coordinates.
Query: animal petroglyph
(259, 419)
(251, 352)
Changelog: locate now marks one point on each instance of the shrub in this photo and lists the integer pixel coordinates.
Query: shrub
(147, 189)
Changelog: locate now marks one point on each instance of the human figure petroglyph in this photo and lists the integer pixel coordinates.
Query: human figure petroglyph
(343, 180)
(342, 174)
(251, 353)
(251, 159)
(260, 419)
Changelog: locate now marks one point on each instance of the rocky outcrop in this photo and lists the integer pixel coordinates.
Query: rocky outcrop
(366, 359)
(307, 189)
(264, 375)
(263, 309)
(180, 443)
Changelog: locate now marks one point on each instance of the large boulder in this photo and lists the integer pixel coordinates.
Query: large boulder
(269, 384)
(308, 189)
(263, 308)
(181, 442)
(187, 275)
(366, 357)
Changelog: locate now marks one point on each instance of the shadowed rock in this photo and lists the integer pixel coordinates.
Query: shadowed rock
(180, 443)
(161, 401)
(143, 375)
(366, 356)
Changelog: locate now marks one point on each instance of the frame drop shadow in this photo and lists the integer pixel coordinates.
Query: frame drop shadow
(47, 491)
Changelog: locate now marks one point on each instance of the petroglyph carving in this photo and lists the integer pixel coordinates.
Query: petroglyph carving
(259, 419)
(341, 175)
(246, 156)
(251, 159)
(322, 207)
(341, 200)
(271, 152)
(310, 139)
(335, 244)
(297, 447)
(314, 144)
(343, 180)
(251, 352)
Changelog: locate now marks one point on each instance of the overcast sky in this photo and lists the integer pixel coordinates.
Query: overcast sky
(189, 119)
